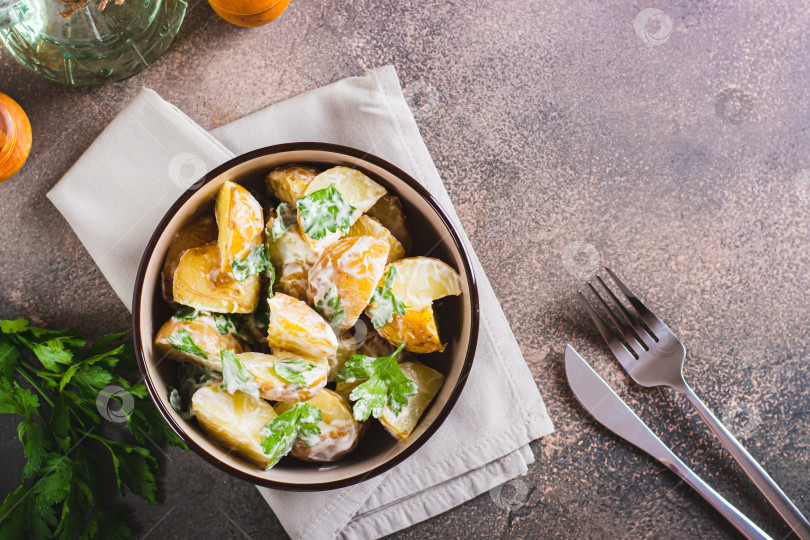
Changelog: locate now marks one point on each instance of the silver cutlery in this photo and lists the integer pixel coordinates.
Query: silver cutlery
(608, 409)
(653, 356)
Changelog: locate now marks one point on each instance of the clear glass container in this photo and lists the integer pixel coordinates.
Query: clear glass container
(90, 47)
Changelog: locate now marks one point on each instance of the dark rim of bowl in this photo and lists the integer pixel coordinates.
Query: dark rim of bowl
(468, 360)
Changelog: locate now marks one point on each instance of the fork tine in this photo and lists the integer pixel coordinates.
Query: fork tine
(628, 332)
(639, 333)
(650, 319)
(624, 355)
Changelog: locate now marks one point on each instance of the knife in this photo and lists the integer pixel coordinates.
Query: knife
(608, 409)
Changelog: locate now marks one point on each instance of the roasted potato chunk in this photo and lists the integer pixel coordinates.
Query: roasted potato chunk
(200, 230)
(296, 327)
(290, 183)
(233, 420)
(356, 188)
(340, 432)
(388, 211)
(203, 333)
(428, 382)
(275, 388)
(417, 327)
(199, 283)
(342, 280)
(240, 223)
(368, 226)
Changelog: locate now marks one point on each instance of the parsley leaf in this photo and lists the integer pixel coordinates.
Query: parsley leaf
(292, 370)
(236, 376)
(386, 386)
(384, 303)
(255, 262)
(262, 313)
(13, 327)
(182, 342)
(285, 218)
(232, 324)
(188, 314)
(281, 432)
(331, 307)
(324, 211)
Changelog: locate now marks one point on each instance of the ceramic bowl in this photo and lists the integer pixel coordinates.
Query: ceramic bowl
(434, 234)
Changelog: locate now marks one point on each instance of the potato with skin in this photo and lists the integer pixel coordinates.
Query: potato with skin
(273, 387)
(356, 188)
(340, 432)
(292, 257)
(353, 266)
(388, 211)
(428, 382)
(199, 283)
(203, 332)
(418, 327)
(200, 230)
(240, 223)
(296, 327)
(290, 183)
(368, 226)
(233, 420)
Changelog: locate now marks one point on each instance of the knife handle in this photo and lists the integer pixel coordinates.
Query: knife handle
(763, 481)
(747, 527)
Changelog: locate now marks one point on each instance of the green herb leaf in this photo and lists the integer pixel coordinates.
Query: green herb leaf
(232, 324)
(331, 307)
(262, 313)
(235, 376)
(324, 211)
(384, 304)
(13, 327)
(187, 314)
(134, 468)
(292, 370)
(280, 433)
(254, 263)
(285, 218)
(9, 357)
(182, 342)
(386, 386)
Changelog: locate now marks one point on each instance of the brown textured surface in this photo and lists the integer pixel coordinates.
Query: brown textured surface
(551, 125)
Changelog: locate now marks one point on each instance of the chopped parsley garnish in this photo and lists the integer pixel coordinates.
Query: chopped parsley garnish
(292, 370)
(182, 342)
(386, 386)
(232, 324)
(285, 218)
(331, 307)
(281, 432)
(383, 302)
(255, 262)
(235, 376)
(324, 211)
(187, 314)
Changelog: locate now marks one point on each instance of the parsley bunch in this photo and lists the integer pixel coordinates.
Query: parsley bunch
(386, 386)
(73, 385)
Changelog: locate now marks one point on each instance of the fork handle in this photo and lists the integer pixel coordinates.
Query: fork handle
(765, 483)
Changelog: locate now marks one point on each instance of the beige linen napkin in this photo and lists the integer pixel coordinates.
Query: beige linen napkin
(113, 199)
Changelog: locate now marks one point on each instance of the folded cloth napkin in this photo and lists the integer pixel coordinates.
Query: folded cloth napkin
(113, 198)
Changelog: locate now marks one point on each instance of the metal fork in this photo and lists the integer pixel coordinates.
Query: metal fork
(653, 356)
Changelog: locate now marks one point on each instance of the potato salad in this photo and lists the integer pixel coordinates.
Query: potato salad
(270, 294)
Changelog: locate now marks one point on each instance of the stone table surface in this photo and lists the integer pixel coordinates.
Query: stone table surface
(673, 146)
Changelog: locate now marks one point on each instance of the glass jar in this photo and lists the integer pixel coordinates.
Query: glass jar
(90, 47)
(15, 137)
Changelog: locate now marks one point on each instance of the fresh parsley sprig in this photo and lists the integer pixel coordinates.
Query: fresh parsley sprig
(331, 307)
(181, 340)
(281, 432)
(384, 304)
(235, 376)
(324, 211)
(386, 386)
(61, 413)
(187, 314)
(232, 323)
(292, 370)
